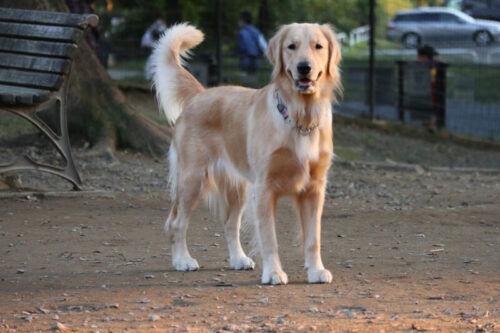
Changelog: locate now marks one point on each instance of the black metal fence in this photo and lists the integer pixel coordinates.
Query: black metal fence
(457, 91)
(459, 97)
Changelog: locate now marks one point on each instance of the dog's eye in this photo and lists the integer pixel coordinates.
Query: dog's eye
(319, 46)
(291, 47)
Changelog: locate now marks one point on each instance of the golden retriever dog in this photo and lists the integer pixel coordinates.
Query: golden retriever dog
(236, 143)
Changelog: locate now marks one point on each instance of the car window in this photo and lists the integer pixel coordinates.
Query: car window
(429, 17)
(449, 18)
(406, 18)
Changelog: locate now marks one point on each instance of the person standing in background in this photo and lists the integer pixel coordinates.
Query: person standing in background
(251, 44)
(427, 54)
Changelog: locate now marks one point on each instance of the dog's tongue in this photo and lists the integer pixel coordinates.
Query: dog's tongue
(305, 82)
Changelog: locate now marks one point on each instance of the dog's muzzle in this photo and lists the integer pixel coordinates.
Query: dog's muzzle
(304, 83)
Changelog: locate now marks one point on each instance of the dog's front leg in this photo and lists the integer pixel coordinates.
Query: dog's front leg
(310, 207)
(265, 207)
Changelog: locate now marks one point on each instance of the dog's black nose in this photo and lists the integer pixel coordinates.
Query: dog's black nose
(304, 67)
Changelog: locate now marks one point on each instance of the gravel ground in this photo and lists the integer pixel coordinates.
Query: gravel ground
(412, 248)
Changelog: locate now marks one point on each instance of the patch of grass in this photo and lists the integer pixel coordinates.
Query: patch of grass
(360, 50)
(405, 130)
(350, 154)
(12, 126)
(130, 64)
(483, 80)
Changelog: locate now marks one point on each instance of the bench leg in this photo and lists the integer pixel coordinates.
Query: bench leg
(61, 142)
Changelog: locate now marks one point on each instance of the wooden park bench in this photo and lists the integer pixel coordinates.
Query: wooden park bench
(36, 52)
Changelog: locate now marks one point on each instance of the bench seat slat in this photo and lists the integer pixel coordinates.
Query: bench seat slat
(37, 63)
(31, 79)
(38, 47)
(44, 32)
(43, 17)
(14, 95)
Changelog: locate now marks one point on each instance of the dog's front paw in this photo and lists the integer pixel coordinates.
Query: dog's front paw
(274, 277)
(242, 263)
(319, 276)
(186, 264)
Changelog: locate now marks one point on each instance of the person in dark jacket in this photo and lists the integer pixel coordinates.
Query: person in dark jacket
(251, 44)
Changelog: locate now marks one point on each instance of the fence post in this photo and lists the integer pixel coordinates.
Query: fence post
(401, 91)
(371, 74)
(218, 11)
(440, 91)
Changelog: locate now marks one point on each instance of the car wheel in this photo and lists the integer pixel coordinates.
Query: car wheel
(483, 38)
(411, 40)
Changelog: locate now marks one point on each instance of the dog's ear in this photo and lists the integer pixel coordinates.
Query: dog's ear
(274, 50)
(334, 53)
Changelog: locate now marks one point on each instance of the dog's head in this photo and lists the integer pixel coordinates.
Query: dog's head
(305, 55)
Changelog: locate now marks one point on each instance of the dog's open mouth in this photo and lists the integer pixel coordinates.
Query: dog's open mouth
(306, 84)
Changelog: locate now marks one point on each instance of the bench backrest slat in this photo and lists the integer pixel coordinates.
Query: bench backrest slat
(40, 17)
(22, 95)
(58, 49)
(31, 79)
(35, 63)
(36, 51)
(42, 32)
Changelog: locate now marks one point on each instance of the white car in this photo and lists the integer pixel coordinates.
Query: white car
(431, 25)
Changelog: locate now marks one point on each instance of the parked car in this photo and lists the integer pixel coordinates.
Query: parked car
(482, 9)
(429, 25)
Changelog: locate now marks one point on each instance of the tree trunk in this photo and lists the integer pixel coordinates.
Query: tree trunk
(97, 110)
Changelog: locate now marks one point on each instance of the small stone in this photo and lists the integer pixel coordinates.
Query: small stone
(148, 276)
(419, 170)
(420, 235)
(20, 271)
(264, 300)
(44, 311)
(59, 326)
(350, 314)
(313, 309)
(28, 318)
(415, 326)
(216, 235)
(154, 317)
(114, 306)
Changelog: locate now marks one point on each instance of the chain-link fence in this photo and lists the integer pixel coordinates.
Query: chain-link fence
(436, 67)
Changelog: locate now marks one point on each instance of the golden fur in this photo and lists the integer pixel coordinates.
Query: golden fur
(233, 142)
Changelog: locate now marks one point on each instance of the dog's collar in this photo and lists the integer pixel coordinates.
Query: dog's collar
(283, 110)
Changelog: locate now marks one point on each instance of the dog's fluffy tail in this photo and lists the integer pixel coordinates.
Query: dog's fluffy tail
(175, 85)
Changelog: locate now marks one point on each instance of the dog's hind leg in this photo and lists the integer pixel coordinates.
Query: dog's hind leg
(232, 197)
(187, 196)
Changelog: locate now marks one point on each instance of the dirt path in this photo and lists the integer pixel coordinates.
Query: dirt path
(409, 250)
